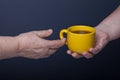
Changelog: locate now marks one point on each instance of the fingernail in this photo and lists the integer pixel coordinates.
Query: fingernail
(49, 30)
(91, 49)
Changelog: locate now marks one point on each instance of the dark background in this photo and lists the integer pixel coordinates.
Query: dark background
(18, 16)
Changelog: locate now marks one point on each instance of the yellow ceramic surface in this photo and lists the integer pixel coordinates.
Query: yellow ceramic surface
(79, 42)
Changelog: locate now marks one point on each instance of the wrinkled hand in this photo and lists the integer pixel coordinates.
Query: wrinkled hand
(33, 45)
(101, 39)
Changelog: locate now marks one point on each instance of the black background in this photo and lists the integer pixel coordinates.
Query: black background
(18, 16)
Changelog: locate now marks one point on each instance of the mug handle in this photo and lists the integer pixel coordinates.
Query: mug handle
(62, 32)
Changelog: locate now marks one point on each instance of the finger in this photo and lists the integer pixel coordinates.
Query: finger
(76, 55)
(93, 51)
(56, 43)
(43, 33)
(96, 49)
(69, 52)
(98, 46)
(87, 55)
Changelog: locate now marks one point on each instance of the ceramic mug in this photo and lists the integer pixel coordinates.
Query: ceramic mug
(80, 38)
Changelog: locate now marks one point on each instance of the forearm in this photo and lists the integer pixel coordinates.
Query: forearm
(111, 25)
(8, 47)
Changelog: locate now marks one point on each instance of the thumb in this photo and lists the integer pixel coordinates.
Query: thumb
(98, 47)
(44, 33)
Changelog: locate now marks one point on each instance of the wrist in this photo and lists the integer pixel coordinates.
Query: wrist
(8, 47)
(106, 29)
(15, 48)
(19, 48)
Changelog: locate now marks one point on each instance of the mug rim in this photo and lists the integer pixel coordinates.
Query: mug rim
(83, 26)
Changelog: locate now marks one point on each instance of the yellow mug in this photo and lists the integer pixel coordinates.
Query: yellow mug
(80, 38)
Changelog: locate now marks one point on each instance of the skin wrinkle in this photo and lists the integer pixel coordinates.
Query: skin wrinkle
(29, 45)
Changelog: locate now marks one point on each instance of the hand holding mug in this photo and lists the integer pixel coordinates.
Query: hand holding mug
(80, 38)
